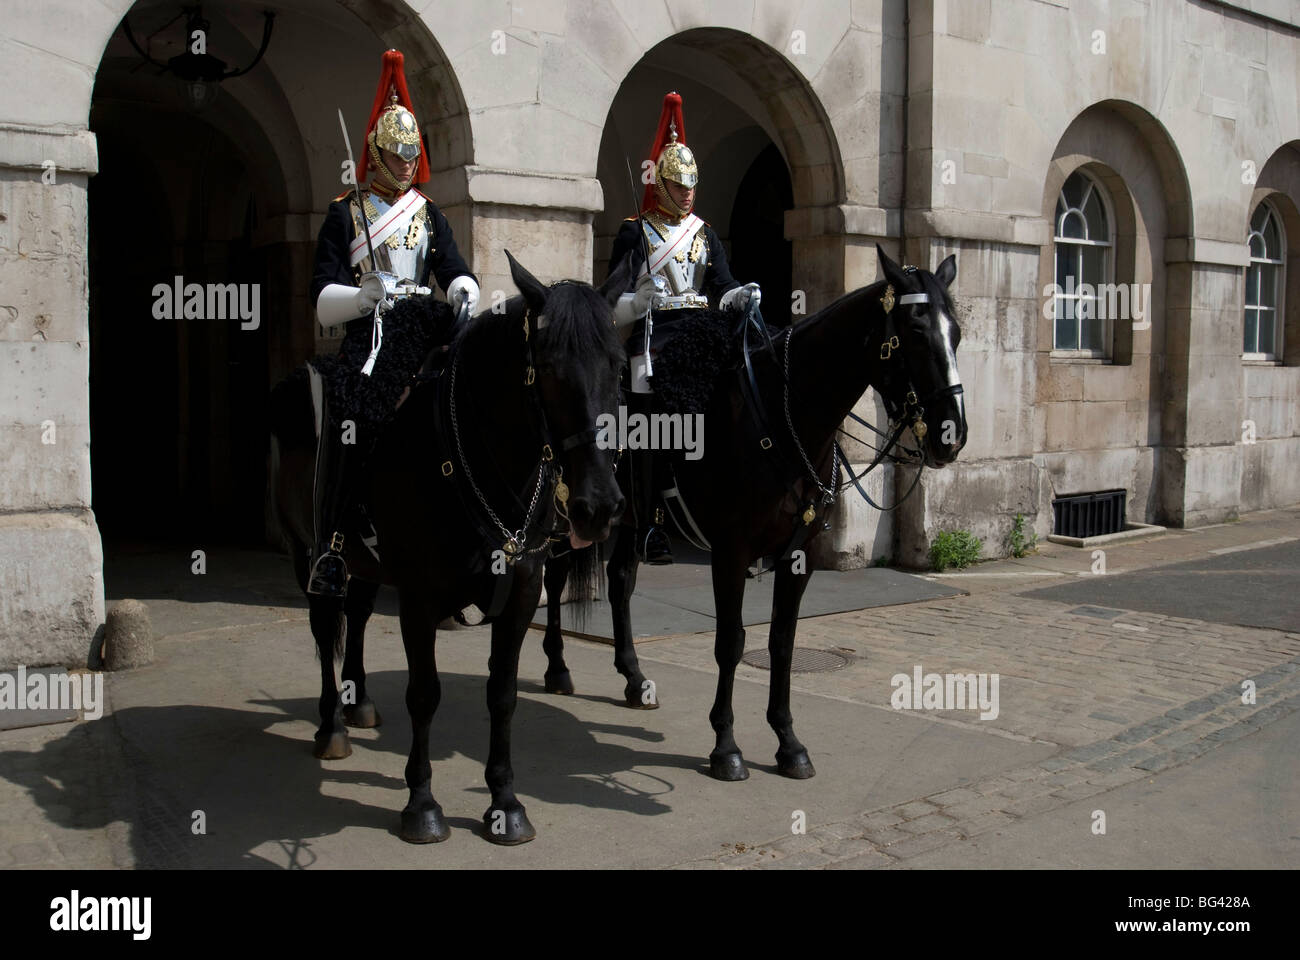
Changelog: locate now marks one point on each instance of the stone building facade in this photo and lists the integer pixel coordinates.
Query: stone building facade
(822, 128)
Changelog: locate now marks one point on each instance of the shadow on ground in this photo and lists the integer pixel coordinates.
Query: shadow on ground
(252, 774)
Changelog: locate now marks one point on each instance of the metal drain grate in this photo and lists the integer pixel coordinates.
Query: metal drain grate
(805, 660)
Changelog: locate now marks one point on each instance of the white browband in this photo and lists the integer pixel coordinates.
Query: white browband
(914, 298)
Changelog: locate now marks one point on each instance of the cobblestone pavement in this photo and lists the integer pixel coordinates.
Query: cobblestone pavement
(1091, 700)
(1125, 694)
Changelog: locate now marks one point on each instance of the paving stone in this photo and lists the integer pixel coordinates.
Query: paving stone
(1234, 732)
(1031, 806)
(950, 797)
(935, 821)
(884, 836)
(915, 810)
(922, 844)
(848, 848)
(975, 808)
(804, 859)
(1077, 791)
(867, 861)
(990, 821)
(877, 820)
(1056, 763)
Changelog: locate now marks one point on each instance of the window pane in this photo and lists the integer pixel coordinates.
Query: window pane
(1094, 265)
(1072, 227)
(1252, 326)
(1066, 334)
(1266, 318)
(1065, 256)
(1273, 240)
(1060, 208)
(1257, 248)
(1252, 285)
(1073, 189)
(1257, 219)
(1096, 214)
(1092, 329)
(1267, 284)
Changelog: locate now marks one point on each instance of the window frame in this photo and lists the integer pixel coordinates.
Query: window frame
(1075, 247)
(1279, 289)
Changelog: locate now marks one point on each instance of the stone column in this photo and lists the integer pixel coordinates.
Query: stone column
(51, 559)
(1200, 464)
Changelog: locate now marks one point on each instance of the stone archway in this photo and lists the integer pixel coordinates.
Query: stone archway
(275, 164)
(741, 101)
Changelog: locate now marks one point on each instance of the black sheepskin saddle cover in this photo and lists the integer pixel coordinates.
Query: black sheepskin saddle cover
(693, 355)
(411, 329)
(692, 351)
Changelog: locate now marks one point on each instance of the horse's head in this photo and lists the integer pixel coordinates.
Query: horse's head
(918, 356)
(577, 358)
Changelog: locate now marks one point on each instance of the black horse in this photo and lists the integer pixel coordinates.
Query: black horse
(465, 490)
(761, 479)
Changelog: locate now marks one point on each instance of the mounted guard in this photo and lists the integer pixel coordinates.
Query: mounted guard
(684, 274)
(378, 244)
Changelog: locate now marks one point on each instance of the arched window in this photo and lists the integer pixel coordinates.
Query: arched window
(1083, 265)
(1267, 243)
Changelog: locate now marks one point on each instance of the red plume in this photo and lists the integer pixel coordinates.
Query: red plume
(392, 79)
(671, 113)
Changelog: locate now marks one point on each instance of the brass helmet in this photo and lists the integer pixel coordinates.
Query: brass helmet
(392, 127)
(397, 132)
(676, 163)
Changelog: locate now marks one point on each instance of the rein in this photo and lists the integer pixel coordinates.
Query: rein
(488, 524)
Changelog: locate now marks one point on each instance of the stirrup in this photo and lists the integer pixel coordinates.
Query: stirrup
(654, 547)
(329, 574)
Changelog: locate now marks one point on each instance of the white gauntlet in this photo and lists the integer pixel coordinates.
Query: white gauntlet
(741, 298)
(463, 289)
(338, 303)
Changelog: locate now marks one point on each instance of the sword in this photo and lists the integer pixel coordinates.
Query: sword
(645, 253)
(356, 190)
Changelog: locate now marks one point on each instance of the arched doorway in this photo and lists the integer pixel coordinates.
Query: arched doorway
(762, 141)
(231, 193)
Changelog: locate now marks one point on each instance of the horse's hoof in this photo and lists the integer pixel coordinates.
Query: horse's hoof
(332, 746)
(645, 697)
(363, 715)
(729, 767)
(508, 827)
(424, 825)
(796, 766)
(561, 683)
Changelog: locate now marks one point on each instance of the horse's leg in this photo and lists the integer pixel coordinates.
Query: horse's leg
(422, 820)
(326, 619)
(360, 710)
(557, 677)
(639, 693)
(505, 821)
(791, 757)
(725, 762)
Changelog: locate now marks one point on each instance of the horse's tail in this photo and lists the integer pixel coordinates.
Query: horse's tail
(586, 580)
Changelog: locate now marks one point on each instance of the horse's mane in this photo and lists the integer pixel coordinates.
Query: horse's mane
(579, 322)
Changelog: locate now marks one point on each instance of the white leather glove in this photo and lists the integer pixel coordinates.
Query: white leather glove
(463, 289)
(646, 295)
(741, 297)
(373, 289)
(338, 303)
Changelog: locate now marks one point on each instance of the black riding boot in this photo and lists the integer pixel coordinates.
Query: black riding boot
(652, 543)
(337, 468)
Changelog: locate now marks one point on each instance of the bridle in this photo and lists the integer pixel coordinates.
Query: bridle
(516, 544)
(909, 412)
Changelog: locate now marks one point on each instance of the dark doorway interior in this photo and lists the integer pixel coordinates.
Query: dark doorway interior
(759, 250)
(177, 407)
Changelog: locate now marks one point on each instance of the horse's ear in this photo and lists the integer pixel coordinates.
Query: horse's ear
(532, 289)
(947, 271)
(620, 278)
(893, 272)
